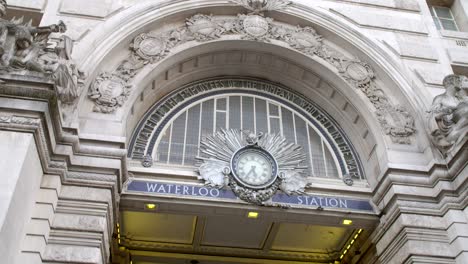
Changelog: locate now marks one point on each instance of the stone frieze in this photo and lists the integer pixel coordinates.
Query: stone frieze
(151, 47)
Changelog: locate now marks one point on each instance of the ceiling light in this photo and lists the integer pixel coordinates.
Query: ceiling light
(252, 215)
(347, 222)
(150, 206)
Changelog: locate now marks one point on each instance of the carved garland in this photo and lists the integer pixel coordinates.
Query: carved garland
(152, 47)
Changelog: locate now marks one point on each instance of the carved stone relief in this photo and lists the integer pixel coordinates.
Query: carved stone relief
(448, 121)
(109, 91)
(151, 47)
(24, 49)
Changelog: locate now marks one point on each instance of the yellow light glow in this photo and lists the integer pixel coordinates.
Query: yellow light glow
(347, 222)
(352, 241)
(341, 256)
(348, 246)
(344, 252)
(150, 206)
(252, 215)
(360, 230)
(356, 236)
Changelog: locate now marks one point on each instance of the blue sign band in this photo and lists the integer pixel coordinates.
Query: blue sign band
(312, 201)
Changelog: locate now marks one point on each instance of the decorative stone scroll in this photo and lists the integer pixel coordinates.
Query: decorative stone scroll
(24, 50)
(144, 138)
(151, 47)
(448, 121)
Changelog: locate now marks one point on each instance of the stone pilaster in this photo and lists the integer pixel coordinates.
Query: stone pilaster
(424, 215)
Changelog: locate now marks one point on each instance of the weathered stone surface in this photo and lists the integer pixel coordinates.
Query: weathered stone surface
(387, 20)
(90, 8)
(72, 254)
(399, 4)
(79, 222)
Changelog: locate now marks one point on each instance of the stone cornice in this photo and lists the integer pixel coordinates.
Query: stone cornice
(450, 172)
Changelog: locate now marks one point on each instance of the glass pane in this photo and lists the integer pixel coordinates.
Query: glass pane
(261, 115)
(163, 147)
(332, 170)
(288, 125)
(275, 125)
(207, 118)
(431, 8)
(302, 140)
(247, 113)
(191, 141)
(448, 24)
(220, 120)
(221, 104)
(273, 110)
(436, 22)
(317, 154)
(443, 12)
(177, 139)
(234, 112)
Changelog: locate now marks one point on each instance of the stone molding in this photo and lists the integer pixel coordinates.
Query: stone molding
(149, 48)
(417, 209)
(60, 153)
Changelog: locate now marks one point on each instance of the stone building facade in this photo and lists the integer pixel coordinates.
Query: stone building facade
(234, 131)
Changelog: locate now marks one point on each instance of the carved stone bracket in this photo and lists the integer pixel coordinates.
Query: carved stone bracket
(151, 47)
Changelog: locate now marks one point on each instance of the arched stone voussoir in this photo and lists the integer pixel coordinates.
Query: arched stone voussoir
(379, 89)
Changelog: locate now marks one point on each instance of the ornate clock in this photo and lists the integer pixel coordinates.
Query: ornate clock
(254, 166)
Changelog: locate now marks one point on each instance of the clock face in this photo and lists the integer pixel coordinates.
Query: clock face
(254, 167)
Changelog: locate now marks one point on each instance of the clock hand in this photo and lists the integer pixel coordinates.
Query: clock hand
(252, 171)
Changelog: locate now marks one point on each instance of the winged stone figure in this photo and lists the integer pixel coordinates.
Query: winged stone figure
(294, 183)
(214, 173)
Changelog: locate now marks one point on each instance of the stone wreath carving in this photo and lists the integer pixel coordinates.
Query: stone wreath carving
(448, 120)
(109, 91)
(151, 47)
(253, 166)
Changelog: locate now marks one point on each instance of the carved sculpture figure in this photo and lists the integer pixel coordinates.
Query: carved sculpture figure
(449, 114)
(25, 47)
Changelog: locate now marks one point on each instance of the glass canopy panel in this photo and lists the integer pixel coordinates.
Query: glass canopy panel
(179, 142)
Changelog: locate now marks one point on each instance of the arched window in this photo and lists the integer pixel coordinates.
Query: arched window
(179, 143)
(170, 133)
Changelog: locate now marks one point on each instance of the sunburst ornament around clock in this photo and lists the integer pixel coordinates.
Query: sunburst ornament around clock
(254, 166)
